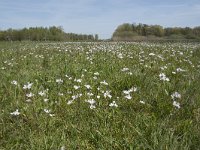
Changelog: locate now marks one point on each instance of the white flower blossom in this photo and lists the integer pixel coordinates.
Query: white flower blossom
(126, 92)
(60, 94)
(15, 113)
(173, 72)
(180, 70)
(30, 95)
(14, 82)
(27, 86)
(92, 106)
(47, 111)
(59, 81)
(128, 96)
(91, 101)
(120, 55)
(142, 102)
(90, 94)
(28, 100)
(152, 54)
(78, 80)
(74, 97)
(176, 104)
(69, 102)
(176, 95)
(76, 87)
(62, 148)
(125, 69)
(42, 93)
(88, 86)
(96, 73)
(46, 100)
(51, 115)
(107, 94)
(113, 104)
(163, 77)
(104, 82)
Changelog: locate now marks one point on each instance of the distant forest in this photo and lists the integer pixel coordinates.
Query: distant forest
(129, 32)
(44, 34)
(124, 32)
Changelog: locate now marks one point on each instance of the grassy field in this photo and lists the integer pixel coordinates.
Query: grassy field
(99, 96)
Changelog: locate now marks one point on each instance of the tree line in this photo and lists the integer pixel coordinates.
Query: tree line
(44, 34)
(140, 31)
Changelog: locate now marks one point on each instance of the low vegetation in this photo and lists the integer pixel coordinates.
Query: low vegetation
(99, 95)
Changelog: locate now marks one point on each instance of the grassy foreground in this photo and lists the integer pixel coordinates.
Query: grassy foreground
(99, 96)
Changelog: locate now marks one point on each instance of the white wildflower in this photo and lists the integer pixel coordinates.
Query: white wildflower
(92, 106)
(76, 87)
(95, 78)
(125, 69)
(128, 96)
(152, 54)
(59, 81)
(104, 82)
(30, 95)
(90, 94)
(96, 73)
(176, 104)
(14, 82)
(163, 68)
(46, 100)
(51, 115)
(91, 101)
(176, 95)
(113, 104)
(74, 97)
(78, 80)
(163, 77)
(88, 86)
(180, 70)
(173, 72)
(120, 55)
(47, 111)
(126, 92)
(133, 89)
(60, 94)
(62, 148)
(69, 102)
(15, 113)
(130, 73)
(42, 93)
(27, 86)
(107, 94)
(28, 100)
(142, 102)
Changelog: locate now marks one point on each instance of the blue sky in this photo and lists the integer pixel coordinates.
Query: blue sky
(97, 16)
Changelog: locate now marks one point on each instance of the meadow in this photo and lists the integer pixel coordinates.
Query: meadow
(99, 95)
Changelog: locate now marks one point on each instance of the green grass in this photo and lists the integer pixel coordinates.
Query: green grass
(156, 124)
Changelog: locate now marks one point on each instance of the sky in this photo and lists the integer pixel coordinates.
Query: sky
(97, 16)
